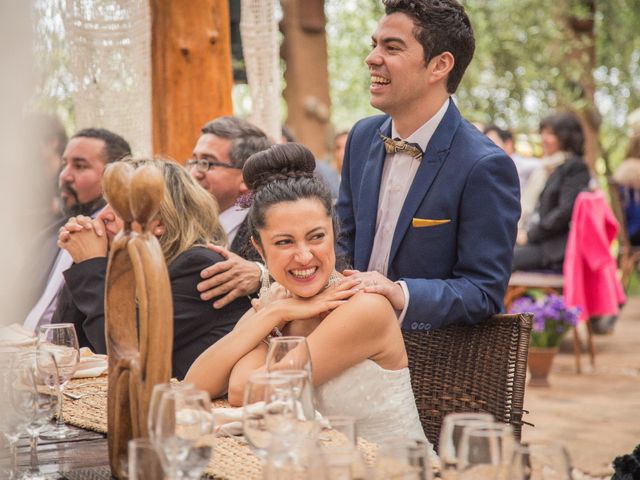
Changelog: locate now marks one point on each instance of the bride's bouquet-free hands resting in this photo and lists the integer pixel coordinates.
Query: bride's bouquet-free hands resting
(291, 309)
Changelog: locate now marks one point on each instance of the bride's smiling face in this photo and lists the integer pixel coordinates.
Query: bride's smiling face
(297, 246)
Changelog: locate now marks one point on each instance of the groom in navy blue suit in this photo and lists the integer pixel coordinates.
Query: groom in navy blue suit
(428, 206)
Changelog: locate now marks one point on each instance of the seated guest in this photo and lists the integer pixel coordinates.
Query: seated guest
(542, 243)
(186, 222)
(354, 338)
(627, 175)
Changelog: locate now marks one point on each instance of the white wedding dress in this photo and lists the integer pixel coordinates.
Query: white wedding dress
(380, 400)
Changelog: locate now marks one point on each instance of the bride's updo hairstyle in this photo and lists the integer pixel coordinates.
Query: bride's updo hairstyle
(282, 173)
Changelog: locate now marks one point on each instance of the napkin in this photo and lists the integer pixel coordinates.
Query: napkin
(16, 337)
(91, 364)
(228, 421)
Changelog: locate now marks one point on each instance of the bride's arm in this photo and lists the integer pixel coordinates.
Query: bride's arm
(211, 370)
(365, 327)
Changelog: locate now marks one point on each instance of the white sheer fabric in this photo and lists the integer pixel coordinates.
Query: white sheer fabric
(380, 400)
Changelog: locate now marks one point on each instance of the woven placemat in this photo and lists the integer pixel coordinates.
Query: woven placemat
(90, 410)
(232, 458)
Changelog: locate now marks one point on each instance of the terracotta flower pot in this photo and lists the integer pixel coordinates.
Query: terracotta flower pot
(540, 360)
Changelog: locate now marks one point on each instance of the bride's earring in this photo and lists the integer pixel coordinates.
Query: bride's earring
(334, 278)
(265, 283)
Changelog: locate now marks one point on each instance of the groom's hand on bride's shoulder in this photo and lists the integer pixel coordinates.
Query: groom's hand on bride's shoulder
(375, 282)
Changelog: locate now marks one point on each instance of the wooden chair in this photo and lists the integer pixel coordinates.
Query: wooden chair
(628, 255)
(462, 368)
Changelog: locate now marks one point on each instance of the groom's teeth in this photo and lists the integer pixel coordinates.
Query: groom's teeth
(303, 273)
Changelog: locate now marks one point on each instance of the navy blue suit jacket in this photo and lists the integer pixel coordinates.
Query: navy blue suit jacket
(456, 271)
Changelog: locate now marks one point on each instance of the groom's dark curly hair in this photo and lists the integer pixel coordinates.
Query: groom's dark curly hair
(440, 26)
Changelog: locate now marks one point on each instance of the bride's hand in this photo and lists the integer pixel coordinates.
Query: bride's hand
(322, 303)
(275, 292)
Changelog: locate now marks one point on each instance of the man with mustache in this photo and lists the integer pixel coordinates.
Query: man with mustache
(80, 183)
(428, 206)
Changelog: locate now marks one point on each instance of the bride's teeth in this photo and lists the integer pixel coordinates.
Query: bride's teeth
(303, 273)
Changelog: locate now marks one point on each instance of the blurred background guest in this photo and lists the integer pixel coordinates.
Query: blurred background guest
(627, 175)
(504, 139)
(541, 244)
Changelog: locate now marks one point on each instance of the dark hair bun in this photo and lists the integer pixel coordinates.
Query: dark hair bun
(278, 163)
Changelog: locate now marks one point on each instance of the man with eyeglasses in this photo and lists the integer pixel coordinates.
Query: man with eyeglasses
(217, 160)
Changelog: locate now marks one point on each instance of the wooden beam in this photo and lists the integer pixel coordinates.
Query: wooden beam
(304, 50)
(191, 71)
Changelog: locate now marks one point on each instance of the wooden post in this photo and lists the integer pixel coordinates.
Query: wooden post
(307, 92)
(191, 71)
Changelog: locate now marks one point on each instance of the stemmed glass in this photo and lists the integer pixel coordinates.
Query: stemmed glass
(268, 411)
(13, 418)
(39, 374)
(288, 353)
(540, 461)
(485, 451)
(183, 417)
(61, 340)
(154, 403)
(451, 434)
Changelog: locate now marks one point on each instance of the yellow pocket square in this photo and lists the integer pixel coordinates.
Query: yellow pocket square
(427, 222)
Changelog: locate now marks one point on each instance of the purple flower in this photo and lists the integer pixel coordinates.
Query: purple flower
(551, 318)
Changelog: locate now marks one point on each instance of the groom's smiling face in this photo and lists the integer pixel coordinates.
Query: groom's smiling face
(396, 64)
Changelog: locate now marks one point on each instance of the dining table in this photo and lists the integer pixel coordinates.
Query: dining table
(85, 456)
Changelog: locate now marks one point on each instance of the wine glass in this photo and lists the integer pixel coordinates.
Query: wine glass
(13, 418)
(540, 461)
(485, 451)
(451, 434)
(154, 402)
(61, 340)
(268, 411)
(183, 417)
(289, 353)
(39, 377)
(399, 457)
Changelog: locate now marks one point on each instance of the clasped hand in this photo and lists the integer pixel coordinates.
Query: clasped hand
(83, 238)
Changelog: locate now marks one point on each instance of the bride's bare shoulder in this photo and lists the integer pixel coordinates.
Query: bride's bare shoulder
(370, 306)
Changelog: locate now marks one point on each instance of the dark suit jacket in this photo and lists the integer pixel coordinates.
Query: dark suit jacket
(455, 271)
(196, 324)
(241, 244)
(554, 208)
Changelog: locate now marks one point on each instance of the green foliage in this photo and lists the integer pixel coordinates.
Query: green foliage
(522, 68)
(350, 25)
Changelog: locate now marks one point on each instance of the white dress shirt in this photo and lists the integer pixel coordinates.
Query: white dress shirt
(231, 219)
(397, 176)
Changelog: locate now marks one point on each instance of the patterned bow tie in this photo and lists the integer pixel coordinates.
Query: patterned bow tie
(395, 145)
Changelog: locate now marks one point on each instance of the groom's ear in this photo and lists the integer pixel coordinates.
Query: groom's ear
(440, 66)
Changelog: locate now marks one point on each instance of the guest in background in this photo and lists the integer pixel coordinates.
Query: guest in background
(80, 188)
(339, 144)
(504, 139)
(542, 243)
(627, 175)
(187, 221)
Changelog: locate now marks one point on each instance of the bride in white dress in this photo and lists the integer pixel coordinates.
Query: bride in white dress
(359, 362)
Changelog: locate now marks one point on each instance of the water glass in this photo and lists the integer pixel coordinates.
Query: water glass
(451, 434)
(39, 381)
(485, 451)
(402, 459)
(183, 417)
(345, 425)
(268, 410)
(144, 462)
(302, 393)
(61, 340)
(540, 461)
(289, 353)
(154, 402)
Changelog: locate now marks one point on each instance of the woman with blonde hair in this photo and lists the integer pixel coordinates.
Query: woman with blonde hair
(186, 222)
